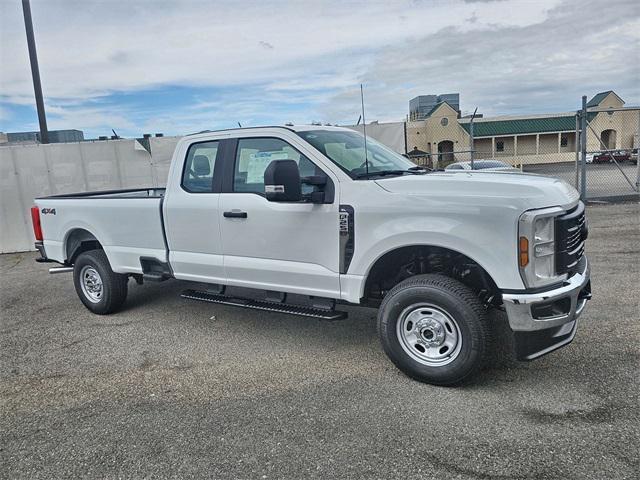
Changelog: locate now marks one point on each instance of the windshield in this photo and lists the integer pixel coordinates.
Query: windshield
(346, 149)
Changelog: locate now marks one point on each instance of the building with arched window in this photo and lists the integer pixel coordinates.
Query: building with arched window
(444, 134)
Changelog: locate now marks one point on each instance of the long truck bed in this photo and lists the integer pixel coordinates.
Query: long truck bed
(129, 224)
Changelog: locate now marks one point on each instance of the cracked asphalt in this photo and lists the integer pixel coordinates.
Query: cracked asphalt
(170, 388)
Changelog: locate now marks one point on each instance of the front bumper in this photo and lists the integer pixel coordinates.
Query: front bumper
(545, 321)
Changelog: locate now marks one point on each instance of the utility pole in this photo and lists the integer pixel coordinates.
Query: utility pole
(35, 72)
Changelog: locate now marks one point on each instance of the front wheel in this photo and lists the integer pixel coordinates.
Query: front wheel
(434, 329)
(100, 289)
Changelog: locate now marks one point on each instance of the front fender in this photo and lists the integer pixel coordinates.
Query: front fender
(491, 244)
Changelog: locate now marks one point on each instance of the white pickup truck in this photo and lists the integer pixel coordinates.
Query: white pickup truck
(315, 211)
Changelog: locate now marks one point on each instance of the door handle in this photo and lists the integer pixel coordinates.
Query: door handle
(235, 214)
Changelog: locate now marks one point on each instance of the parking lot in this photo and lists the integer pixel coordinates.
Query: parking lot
(173, 388)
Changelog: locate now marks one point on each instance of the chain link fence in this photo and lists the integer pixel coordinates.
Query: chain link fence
(605, 157)
(608, 164)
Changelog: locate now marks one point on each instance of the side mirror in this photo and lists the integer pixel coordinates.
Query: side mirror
(282, 181)
(315, 180)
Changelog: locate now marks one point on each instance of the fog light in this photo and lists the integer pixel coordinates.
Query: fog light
(556, 308)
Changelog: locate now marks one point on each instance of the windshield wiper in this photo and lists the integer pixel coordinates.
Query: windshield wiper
(382, 173)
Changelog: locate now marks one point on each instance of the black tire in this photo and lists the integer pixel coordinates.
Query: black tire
(114, 285)
(435, 293)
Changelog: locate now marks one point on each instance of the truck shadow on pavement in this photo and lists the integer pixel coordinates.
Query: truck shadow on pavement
(356, 332)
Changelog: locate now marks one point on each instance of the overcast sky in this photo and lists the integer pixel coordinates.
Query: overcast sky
(182, 66)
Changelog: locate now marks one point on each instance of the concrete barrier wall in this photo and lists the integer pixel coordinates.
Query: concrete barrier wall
(29, 171)
(390, 134)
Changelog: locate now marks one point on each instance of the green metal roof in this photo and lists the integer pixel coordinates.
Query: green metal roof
(597, 98)
(524, 126)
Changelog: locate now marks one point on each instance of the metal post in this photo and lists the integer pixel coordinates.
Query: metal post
(583, 150)
(471, 139)
(576, 145)
(406, 149)
(637, 155)
(35, 72)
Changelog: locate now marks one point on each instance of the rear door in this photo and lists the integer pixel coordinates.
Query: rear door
(192, 215)
(291, 247)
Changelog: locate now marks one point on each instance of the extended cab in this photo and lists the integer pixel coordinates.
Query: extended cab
(316, 211)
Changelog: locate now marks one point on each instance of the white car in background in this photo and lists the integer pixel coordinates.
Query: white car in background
(492, 165)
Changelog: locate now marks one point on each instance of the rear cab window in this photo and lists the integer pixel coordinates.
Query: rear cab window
(197, 175)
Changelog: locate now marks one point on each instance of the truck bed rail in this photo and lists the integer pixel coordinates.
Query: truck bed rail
(152, 192)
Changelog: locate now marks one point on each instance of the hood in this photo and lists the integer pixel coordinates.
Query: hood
(528, 191)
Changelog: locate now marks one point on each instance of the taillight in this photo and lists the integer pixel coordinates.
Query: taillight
(37, 227)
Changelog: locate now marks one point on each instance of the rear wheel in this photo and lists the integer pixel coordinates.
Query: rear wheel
(434, 329)
(100, 289)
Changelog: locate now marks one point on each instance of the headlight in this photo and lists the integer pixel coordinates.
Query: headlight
(537, 248)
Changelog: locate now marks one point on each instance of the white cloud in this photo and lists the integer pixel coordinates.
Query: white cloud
(542, 67)
(91, 48)
(500, 55)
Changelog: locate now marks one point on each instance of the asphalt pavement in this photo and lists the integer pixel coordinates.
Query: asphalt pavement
(171, 388)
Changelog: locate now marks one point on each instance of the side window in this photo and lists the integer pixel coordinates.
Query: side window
(254, 156)
(197, 176)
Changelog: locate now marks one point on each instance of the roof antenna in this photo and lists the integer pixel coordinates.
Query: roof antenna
(239, 124)
(364, 131)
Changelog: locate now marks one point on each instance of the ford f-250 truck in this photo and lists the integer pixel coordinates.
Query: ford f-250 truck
(316, 211)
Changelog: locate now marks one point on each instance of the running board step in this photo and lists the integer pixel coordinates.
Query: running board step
(263, 305)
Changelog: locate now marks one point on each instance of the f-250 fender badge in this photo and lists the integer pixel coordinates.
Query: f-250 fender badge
(48, 211)
(347, 236)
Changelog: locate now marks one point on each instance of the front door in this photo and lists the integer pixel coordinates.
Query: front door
(290, 247)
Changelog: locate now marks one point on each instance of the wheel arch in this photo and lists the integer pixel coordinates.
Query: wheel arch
(79, 240)
(429, 259)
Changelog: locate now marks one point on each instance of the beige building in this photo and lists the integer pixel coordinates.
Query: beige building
(524, 139)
